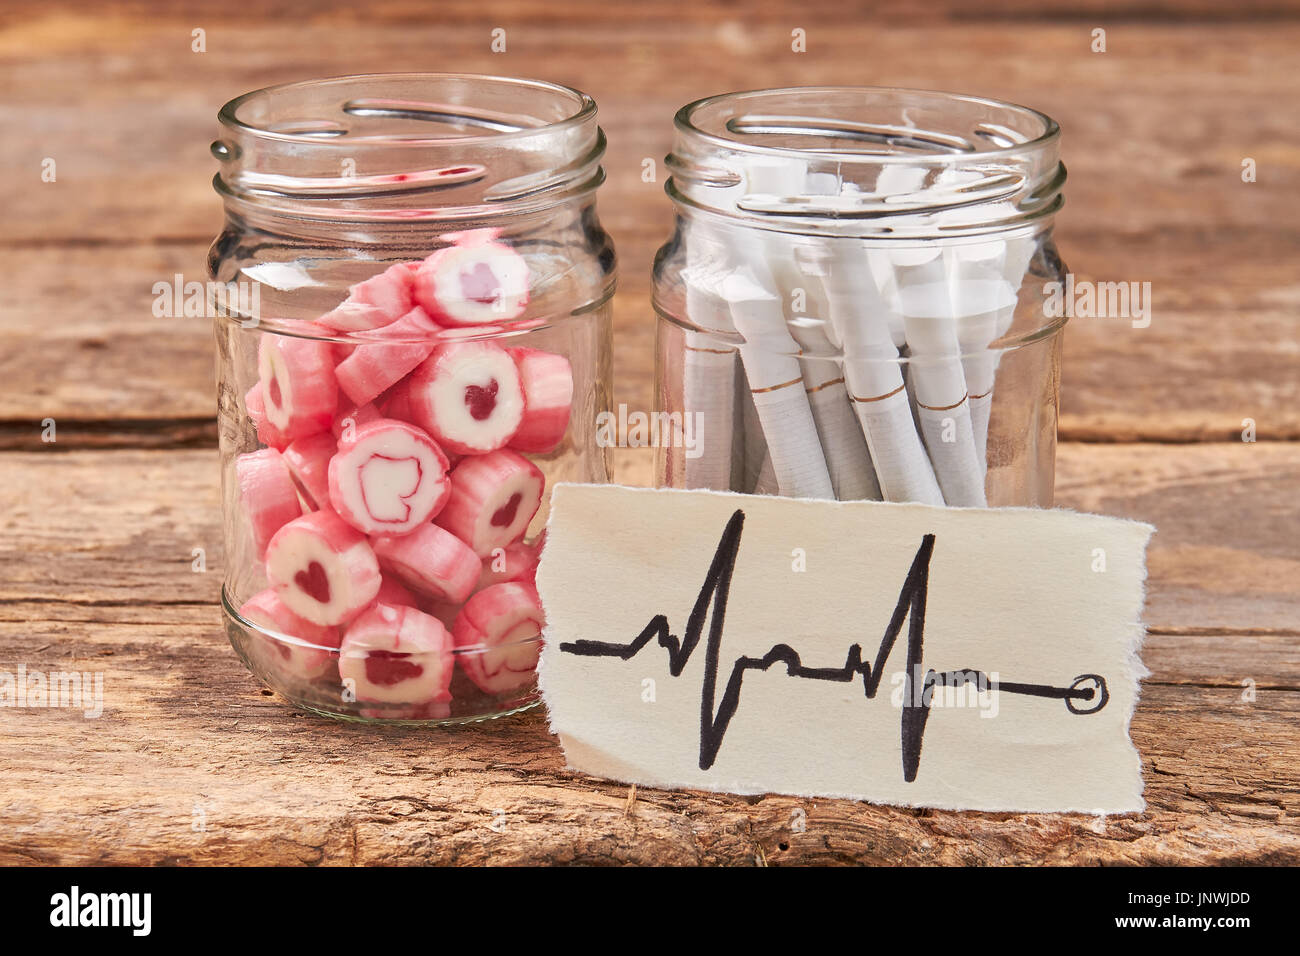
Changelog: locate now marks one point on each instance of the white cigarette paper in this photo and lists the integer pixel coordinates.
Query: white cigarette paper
(749, 272)
(936, 375)
(776, 382)
(749, 456)
(874, 380)
(765, 482)
(848, 459)
(708, 374)
(989, 275)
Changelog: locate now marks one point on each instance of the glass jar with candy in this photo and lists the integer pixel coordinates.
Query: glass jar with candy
(418, 347)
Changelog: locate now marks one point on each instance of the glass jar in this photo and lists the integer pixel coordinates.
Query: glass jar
(414, 346)
(852, 305)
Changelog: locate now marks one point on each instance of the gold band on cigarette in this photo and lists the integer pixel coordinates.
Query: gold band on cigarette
(692, 348)
(773, 388)
(818, 388)
(942, 408)
(878, 398)
(985, 395)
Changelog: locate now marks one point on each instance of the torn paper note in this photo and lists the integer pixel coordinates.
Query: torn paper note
(961, 658)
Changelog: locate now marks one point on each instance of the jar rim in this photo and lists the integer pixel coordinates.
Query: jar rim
(884, 163)
(584, 109)
(684, 122)
(398, 149)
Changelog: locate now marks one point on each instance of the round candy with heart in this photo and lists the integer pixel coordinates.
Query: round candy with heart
(468, 396)
(493, 499)
(498, 636)
(388, 478)
(473, 283)
(295, 649)
(322, 568)
(397, 655)
(299, 392)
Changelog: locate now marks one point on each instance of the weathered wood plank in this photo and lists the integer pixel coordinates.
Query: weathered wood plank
(188, 739)
(1184, 378)
(1224, 554)
(1155, 192)
(1157, 152)
(93, 527)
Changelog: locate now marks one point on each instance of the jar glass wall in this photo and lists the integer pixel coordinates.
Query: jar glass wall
(853, 303)
(413, 347)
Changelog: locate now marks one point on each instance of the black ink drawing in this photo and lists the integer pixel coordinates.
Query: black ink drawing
(1086, 695)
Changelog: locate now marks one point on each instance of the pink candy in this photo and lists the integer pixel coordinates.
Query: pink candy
(372, 369)
(468, 396)
(399, 655)
(350, 417)
(299, 393)
(322, 568)
(493, 499)
(513, 563)
(431, 560)
(388, 477)
(410, 555)
(309, 461)
(497, 636)
(267, 433)
(547, 381)
(391, 591)
(376, 302)
(294, 648)
(268, 495)
(475, 283)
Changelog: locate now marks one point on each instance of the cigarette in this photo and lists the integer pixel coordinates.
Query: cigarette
(708, 385)
(873, 378)
(929, 306)
(753, 275)
(752, 466)
(765, 483)
(770, 358)
(708, 368)
(848, 459)
(985, 304)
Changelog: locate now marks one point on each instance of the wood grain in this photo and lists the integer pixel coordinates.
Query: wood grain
(79, 343)
(1155, 193)
(1223, 556)
(108, 586)
(274, 785)
(193, 761)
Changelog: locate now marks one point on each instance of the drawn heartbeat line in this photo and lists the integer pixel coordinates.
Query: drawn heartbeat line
(711, 605)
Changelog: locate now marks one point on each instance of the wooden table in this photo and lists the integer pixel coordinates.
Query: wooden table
(193, 762)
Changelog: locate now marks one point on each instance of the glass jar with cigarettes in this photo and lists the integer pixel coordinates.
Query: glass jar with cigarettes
(851, 306)
(412, 347)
